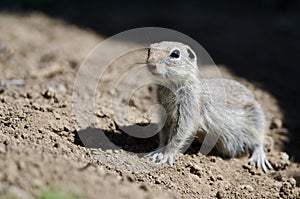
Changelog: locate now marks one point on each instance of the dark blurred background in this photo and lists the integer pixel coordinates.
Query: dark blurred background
(257, 39)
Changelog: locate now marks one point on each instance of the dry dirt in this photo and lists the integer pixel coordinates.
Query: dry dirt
(40, 143)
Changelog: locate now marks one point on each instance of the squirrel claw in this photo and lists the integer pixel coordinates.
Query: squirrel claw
(258, 158)
(161, 157)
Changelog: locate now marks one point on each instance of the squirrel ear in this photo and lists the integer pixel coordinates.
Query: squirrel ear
(191, 54)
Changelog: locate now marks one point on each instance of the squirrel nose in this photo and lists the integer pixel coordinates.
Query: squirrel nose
(151, 66)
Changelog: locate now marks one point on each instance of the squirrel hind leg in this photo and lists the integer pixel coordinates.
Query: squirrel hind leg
(259, 158)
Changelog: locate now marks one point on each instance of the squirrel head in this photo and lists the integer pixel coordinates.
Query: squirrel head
(172, 61)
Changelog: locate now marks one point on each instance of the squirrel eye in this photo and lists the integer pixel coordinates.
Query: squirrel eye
(175, 54)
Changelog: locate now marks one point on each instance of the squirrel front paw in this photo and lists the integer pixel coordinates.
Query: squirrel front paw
(161, 156)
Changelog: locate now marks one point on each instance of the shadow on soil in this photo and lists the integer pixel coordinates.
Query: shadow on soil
(98, 138)
(110, 140)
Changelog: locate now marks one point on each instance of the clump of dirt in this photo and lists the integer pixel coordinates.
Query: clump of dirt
(41, 146)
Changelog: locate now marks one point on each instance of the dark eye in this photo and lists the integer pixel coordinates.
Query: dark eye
(175, 54)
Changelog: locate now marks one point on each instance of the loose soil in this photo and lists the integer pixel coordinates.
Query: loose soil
(41, 144)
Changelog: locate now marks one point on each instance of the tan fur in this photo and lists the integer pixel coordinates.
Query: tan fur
(222, 111)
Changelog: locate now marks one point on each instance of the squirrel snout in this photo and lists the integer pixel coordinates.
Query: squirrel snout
(151, 66)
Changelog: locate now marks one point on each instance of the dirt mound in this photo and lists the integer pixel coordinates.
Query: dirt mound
(40, 144)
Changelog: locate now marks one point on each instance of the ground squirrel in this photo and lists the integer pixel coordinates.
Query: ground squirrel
(194, 107)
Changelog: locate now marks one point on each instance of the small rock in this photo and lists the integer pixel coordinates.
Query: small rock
(252, 169)
(292, 181)
(212, 159)
(49, 93)
(277, 176)
(194, 169)
(35, 106)
(289, 189)
(237, 194)
(24, 136)
(212, 178)
(109, 151)
(282, 163)
(117, 151)
(220, 194)
(29, 95)
(101, 114)
(249, 188)
(284, 156)
(57, 126)
(49, 109)
(56, 115)
(226, 185)
(219, 177)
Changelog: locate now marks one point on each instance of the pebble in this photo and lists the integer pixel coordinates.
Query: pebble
(283, 161)
(219, 177)
(220, 194)
(246, 187)
(284, 156)
(161, 175)
(292, 181)
(212, 159)
(226, 185)
(29, 95)
(277, 176)
(56, 115)
(109, 151)
(49, 93)
(117, 151)
(249, 188)
(212, 178)
(289, 189)
(196, 170)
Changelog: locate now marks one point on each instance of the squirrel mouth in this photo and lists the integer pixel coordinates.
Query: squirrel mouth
(153, 69)
(157, 74)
